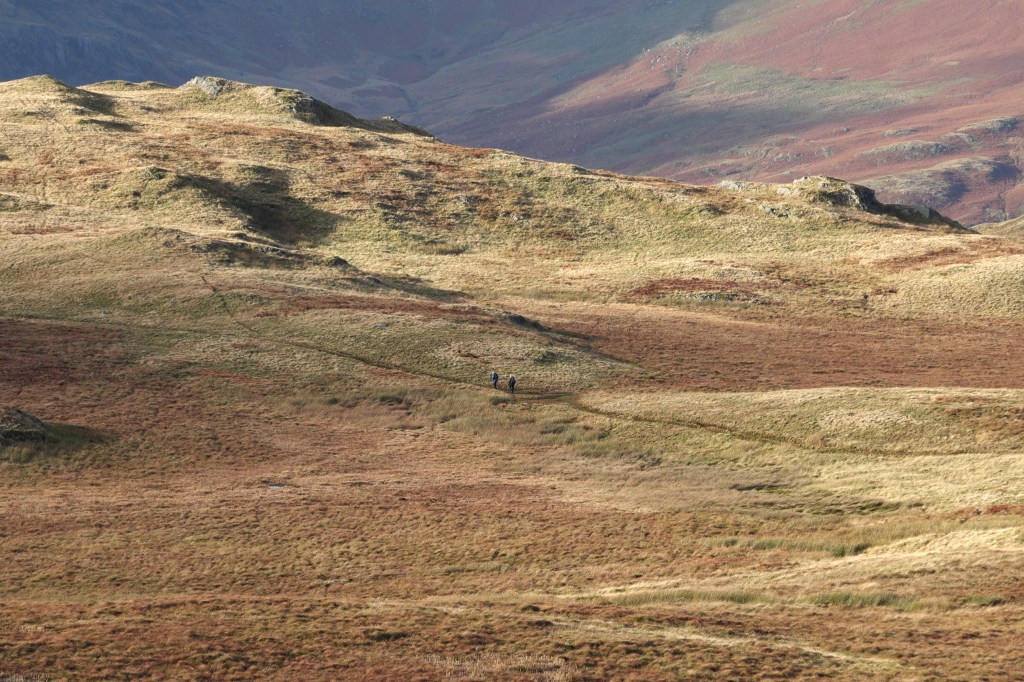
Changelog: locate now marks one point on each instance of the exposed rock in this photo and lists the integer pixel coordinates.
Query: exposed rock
(213, 87)
(900, 132)
(823, 189)
(835, 192)
(961, 139)
(18, 426)
(914, 213)
(390, 124)
(775, 211)
(913, 150)
(996, 126)
(294, 103)
(520, 321)
(739, 185)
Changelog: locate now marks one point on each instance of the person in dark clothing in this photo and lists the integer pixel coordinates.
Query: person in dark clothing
(511, 384)
(494, 379)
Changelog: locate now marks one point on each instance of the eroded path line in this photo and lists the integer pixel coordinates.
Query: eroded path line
(576, 403)
(691, 635)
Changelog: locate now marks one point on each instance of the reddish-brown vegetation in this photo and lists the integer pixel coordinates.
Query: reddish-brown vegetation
(710, 352)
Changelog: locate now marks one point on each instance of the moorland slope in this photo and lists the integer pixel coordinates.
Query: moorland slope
(763, 431)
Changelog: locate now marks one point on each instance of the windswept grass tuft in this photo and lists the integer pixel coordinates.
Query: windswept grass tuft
(683, 596)
(853, 600)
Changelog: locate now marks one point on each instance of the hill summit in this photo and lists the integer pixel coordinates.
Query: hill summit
(295, 103)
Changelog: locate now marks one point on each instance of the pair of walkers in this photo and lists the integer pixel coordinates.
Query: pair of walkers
(511, 382)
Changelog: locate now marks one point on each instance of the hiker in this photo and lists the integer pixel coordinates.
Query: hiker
(511, 384)
(494, 379)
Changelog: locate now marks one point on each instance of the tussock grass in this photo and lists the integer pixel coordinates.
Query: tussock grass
(833, 547)
(669, 597)
(851, 600)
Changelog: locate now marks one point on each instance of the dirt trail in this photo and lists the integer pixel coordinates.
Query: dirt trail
(700, 425)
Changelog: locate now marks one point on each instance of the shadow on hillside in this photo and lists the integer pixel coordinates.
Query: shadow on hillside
(416, 286)
(112, 126)
(264, 197)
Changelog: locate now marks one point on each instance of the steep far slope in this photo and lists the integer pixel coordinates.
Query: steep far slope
(359, 53)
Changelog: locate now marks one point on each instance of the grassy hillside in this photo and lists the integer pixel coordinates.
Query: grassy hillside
(761, 431)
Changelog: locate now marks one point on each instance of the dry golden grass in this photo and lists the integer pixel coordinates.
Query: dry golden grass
(758, 435)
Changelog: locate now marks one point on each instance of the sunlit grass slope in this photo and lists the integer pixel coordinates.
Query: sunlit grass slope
(761, 432)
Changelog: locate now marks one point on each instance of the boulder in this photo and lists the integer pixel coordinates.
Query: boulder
(18, 426)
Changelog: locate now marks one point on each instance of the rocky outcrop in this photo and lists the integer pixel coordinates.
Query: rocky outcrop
(293, 103)
(832, 191)
(826, 190)
(911, 150)
(18, 426)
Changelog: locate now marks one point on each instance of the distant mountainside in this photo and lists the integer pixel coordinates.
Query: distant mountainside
(920, 100)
